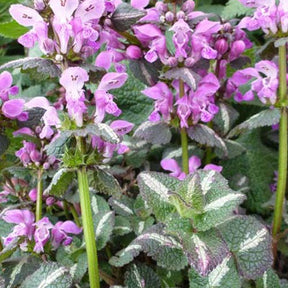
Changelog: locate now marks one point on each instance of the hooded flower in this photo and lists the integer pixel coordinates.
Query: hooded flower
(164, 101)
(104, 100)
(60, 233)
(73, 79)
(24, 220)
(6, 81)
(42, 234)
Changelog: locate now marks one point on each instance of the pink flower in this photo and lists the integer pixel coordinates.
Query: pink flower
(5, 86)
(73, 79)
(24, 220)
(60, 231)
(13, 109)
(42, 234)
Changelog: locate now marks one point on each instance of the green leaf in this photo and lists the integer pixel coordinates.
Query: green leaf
(79, 269)
(207, 199)
(12, 30)
(226, 117)
(154, 132)
(135, 106)
(234, 149)
(269, 279)
(122, 206)
(206, 136)
(34, 117)
(104, 182)
(122, 226)
(186, 74)
(56, 148)
(224, 275)
(154, 189)
(49, 275)
(43, 67)
(189, 198)
(14, 274)
(267, 117)
(125, 16)
(169, 42)
(215, 9)
(102, 130)
(103, 221)
(250, 243)
(163, 249)
(141, 276)
(146, 72)
(60, 182)
(205, 250)
(234, 9)
(258, 165)
(4, 143)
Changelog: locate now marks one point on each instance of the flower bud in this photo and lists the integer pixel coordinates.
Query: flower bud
(39, 5)
(35, 156)
(189, 62)
(180, 15)
(133, 52)
(221, 46)
(238, 47)
(50, 201)
(172, 61)
(188, 6)
(169, 16)
(46, 166)
(161, 7)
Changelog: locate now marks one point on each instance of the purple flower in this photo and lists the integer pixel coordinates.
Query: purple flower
(181, 37)
(29, 153)
(13, 109)
(5, 86)
(24, 220)
(60, 231)
(164, 101)
(265, 84)
(42, 234)
(25, 16)
(73, 79)
(172, 165)
(104, 100)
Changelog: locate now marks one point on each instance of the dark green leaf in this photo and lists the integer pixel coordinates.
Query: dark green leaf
(125, 16)
(60, 182)
(4, 143)
(154, 132)
(12, 30)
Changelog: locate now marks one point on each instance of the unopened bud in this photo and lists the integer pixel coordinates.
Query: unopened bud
(238, 47)
(169, 16)
(35, 156)
(39, 5)
(133, 52)
(180, 15)
(59, 58)
(188, 6)
(221, 46)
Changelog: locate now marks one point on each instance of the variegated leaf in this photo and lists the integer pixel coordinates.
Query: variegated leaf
(205, 250)
(251, 244)
(223, 276)
(155, 188)
(220, 200)
(49, 275)
(103, 220)
(141, 276)
(166, 250)
(269, 279)
(154, 132)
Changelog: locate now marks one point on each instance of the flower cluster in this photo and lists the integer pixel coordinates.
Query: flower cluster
(264, 82)
(194, 163)
(28, 231)
(268, 16)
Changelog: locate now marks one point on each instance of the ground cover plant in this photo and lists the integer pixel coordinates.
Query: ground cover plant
(143, 143)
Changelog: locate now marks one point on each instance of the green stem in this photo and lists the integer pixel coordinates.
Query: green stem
(39, 195)
(74, 214)
(282, 164)
(184, 138)
(87, 221)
